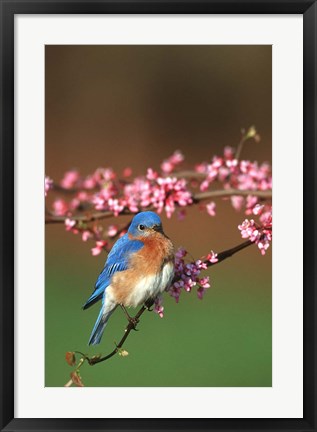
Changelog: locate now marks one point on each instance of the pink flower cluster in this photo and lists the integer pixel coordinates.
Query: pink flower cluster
(235, 174)
(155, 191)
(73, 180)
(259, 233)
(105, 192)
(70, 180)
(60, 207)
(169, 191)
(88, 233)
(187, 275)
(100, 246)
(172, 162)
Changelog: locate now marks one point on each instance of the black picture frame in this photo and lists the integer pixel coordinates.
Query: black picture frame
(8, 9)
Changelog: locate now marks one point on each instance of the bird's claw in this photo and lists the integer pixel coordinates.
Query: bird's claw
(148, 306)
(134, 322)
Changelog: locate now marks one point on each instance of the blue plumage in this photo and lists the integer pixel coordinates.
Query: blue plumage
(147, 219)
(99, 327)
(117, 260)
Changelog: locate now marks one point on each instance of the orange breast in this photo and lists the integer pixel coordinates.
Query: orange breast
(157, 251)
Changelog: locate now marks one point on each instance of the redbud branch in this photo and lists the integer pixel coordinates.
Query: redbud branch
(131, 326)
(197, 198)
(188, 174)
(231, 192)
(62, 189)
(94, 360)
(229, 252)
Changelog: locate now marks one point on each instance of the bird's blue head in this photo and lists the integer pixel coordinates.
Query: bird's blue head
(144, 224)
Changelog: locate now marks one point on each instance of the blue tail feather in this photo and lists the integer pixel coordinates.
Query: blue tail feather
(95, 296)
(99, 326)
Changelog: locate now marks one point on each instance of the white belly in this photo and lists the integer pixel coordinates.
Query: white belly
(151, 286)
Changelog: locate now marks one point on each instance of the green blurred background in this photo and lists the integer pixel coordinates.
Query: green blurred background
(122, 106)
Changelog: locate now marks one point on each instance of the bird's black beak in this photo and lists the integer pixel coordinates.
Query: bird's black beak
(158, 228)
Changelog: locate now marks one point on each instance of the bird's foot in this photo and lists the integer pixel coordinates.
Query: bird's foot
(133, 322)
(148, 305)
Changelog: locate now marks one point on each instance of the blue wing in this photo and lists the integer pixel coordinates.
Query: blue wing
(117, 260)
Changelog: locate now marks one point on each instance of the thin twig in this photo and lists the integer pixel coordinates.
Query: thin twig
(94, 360)
(229, 252)
(221, 257)
(231, 192)
(188, 174)
(240, 147)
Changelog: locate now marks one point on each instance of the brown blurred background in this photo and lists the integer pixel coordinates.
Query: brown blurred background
(119, 106)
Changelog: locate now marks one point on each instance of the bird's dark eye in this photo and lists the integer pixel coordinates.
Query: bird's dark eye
(141, 227)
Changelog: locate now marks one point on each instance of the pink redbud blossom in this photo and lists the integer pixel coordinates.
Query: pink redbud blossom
(237, 202)
(86, 235)
(181, 214)
(212, 257)
(266, 217)
(260, 234)
(201, 168)
(108, 174)
(158, 308)
(167, 167)
(204, 185)
(249, 229)
(48, 184)
(204, 285)
(229, 153)
(89, 182)
(204, 282)
(82, 197)
(115, 206)
(187, 275)
(180, 253)
(127, 172)
(170, 164)
(211, 207)
(69, 224)
(100, 244)
(151, 174)
(231, 163)
(112, 230)
(257, 209)
(107, 193)
(70, 179)
(60, 207)
(251, 202)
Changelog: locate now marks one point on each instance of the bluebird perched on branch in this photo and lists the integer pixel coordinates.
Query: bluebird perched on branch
(139, 267)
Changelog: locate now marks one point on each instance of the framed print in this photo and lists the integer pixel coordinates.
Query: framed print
(143, 289)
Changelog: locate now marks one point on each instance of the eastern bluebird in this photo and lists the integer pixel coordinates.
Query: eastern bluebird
(139, 267)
